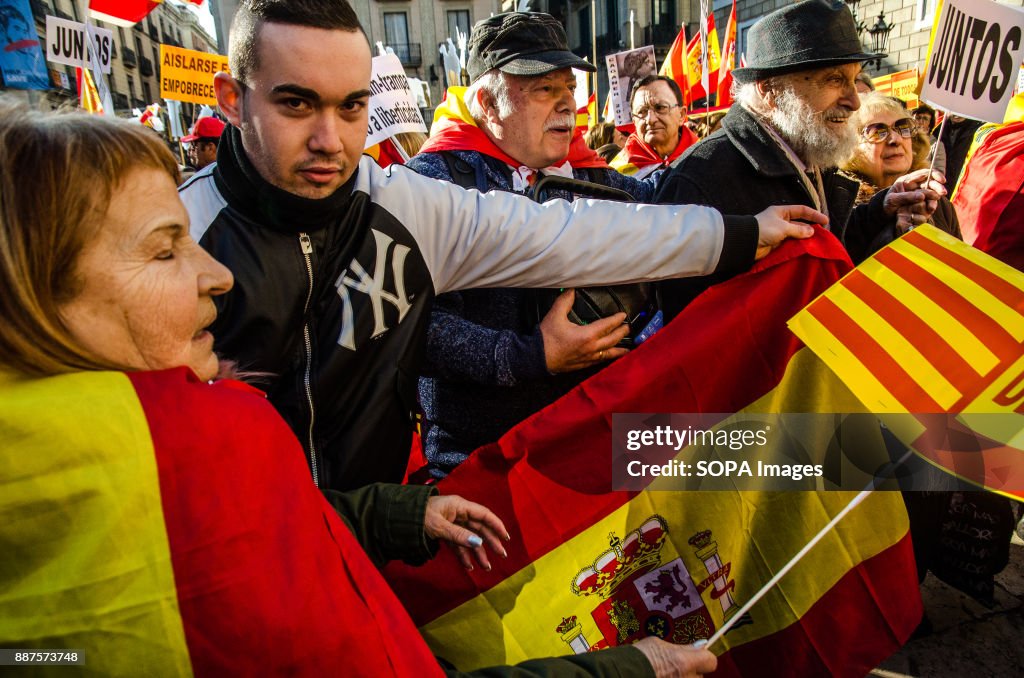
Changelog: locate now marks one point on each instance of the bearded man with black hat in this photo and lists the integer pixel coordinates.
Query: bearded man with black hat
(788, 132)
(493, 359)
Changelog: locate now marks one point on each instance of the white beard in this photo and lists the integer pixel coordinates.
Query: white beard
(808, 133)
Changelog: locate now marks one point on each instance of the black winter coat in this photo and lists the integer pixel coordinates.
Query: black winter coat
(741, 170)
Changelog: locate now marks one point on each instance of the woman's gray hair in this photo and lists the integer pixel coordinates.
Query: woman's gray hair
(495, 83)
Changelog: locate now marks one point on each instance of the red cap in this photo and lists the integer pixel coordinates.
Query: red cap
(208, 127)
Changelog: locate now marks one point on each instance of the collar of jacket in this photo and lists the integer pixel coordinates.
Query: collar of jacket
(752, 140)
(267, 204)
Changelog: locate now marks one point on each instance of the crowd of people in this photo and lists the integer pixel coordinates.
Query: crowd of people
(365, 300)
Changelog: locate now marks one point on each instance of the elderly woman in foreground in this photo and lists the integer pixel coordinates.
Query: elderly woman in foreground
(154, 521)
(884, 153)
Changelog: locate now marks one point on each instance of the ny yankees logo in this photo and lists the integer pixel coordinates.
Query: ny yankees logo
(374, 288)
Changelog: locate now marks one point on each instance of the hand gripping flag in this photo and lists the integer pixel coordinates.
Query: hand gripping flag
(590, 568)
(167, 527)
(931, 326)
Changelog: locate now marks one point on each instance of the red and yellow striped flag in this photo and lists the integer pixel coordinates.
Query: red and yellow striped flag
(674, 65)
(167, 527)
(88, 96)
(584, 114)
(930, 325)
(591, 568)
(724, 96)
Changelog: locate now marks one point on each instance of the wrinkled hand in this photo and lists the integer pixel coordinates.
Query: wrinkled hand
(676, 661)
(569, 347)
(775, 224)
(914, 197)
(467, 526)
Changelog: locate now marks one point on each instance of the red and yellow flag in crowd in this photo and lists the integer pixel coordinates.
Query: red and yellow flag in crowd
(586, 114)
(695, 61)
(927, 326)
(88, 97)
(590, 568)
(164, 526)
(674, 65)
(724, 96)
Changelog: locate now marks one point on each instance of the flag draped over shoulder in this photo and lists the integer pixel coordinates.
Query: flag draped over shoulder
(674, 66)
(590, 568)
(637, 158)
(989, 197)
(169, 527)
(930, 325)
(454, 129)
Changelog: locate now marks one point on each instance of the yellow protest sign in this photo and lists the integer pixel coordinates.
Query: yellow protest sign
(902, 85)
(187, 75)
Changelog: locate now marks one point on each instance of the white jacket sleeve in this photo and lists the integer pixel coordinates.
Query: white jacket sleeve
(501, 239)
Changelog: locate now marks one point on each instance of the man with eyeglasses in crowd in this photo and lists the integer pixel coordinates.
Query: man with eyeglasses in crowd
(661, 133)
(789, 130)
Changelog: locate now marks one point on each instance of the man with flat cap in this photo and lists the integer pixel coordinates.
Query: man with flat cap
(787, 133)
(493, 358)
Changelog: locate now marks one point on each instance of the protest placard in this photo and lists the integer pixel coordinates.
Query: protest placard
(392, 107)
(187, 75)
(65, 44)
(972, 67)
(625, 68)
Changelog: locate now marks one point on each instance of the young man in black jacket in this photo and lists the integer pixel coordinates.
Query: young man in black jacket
(336, 261)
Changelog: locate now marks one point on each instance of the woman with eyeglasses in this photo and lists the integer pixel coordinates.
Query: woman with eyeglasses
(885, 152)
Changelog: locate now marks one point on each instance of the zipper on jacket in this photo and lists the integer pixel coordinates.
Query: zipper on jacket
(307, 252)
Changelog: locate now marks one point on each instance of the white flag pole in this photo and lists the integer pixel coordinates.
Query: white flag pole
(854, 503)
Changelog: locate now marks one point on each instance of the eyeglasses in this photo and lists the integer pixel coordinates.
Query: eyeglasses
(659, 109)
(879, 132)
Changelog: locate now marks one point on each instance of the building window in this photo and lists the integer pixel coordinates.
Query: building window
(458, 19)
(146, 94)
(925, 12)
(131, 90)
(741, 38)
(396, 30)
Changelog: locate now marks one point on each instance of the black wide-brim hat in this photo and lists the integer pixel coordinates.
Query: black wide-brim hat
(521, 43)
(801, 37)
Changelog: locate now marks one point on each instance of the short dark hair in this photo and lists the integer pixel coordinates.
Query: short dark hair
(927, 110)
(647, 80)
(243, 55)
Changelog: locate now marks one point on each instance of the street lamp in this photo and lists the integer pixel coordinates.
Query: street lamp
(852, 4)
(879, 38)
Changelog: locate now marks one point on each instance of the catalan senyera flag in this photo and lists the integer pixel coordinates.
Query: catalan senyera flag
(590, 568)
(724, 96)
(168, 527)
(929, 325)
(88, 97)
(674, 65)
(695, 62)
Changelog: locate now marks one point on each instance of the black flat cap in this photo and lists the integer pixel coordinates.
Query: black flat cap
(521, 43)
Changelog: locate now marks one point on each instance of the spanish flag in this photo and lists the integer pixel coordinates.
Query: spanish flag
(590, 568)
(584, 114)
(639, 159)
(695, 62)
(166, 527)
(724, 96)
(674, 65)
(927, 326)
